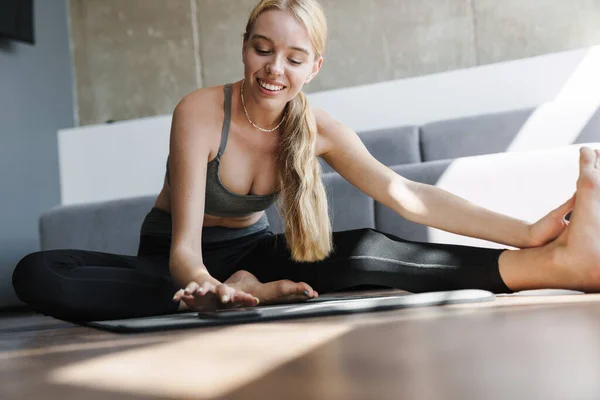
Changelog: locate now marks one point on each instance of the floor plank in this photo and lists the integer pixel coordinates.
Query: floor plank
(529, 347)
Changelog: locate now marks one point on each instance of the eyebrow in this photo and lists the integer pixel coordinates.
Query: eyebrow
(257, 36)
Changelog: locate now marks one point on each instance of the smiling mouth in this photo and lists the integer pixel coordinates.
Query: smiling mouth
(269, 87)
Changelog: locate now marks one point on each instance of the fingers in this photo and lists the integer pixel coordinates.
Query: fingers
(209, 295)
(224, 293)
(228, 295)
(193, 289)
(187, 292)
(178, 295)
(566, 207)
(204, 288)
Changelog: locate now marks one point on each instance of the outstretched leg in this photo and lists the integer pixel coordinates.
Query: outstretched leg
(370, 257)
(572, 261)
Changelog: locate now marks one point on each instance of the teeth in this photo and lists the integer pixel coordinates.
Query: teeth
(269, 87)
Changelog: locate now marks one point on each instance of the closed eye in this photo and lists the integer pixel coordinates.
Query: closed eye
(267, 52)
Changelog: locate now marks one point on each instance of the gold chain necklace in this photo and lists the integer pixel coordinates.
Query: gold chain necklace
(248, 117)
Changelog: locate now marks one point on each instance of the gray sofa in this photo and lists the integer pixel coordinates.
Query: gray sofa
(420, 153)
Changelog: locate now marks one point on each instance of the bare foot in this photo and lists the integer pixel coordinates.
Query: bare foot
(277, 292)
(578, 247)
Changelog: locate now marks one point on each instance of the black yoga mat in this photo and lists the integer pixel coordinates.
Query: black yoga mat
(322, 306)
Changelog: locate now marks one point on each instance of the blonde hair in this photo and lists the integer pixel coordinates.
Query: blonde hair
(303, 200)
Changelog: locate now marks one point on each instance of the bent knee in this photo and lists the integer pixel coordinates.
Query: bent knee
(31, 272)
(26, 267)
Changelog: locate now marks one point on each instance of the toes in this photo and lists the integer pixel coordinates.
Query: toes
(587, 157)
(287, 288)
(304, 289)
(589, 162)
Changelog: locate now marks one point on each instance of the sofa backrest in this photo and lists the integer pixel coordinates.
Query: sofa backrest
(110, 226)
(420, 154)
(391, 146)
(494, 133)
(471, 136)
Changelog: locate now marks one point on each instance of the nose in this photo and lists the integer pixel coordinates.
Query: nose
(275, 67)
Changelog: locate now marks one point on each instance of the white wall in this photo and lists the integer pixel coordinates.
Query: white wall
(127, 159)
(472, 91)
(112, 161)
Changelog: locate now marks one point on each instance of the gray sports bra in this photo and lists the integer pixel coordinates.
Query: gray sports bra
(220, 201)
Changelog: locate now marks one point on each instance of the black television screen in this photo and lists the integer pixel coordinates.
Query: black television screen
(16, 20)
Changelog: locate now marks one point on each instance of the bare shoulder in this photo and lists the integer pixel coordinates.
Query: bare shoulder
(200, 104)
(198, 117)
(325, 122)
(330, 130)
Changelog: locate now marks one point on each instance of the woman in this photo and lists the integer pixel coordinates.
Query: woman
(237, 148)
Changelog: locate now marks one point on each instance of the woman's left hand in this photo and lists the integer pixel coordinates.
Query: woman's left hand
(550, 226)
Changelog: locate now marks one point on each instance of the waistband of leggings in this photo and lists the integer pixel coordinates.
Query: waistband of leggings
(158, 223)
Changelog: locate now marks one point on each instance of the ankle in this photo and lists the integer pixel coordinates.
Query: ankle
(573, 272)
(536, 268)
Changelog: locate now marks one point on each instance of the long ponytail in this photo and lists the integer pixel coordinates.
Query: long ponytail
(303, 202)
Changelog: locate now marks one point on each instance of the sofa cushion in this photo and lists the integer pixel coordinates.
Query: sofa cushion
(349, 208)
(391, 146)
(389, 221)
(110, 226)
(471, 136)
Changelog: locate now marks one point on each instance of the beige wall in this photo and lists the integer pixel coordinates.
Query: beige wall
(137, 58)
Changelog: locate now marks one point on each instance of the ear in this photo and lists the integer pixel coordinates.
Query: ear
(315, 70)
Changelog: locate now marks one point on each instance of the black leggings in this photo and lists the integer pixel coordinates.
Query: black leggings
(82, 285)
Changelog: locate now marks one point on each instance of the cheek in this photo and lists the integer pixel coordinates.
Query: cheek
(298, 76)
(252, 60)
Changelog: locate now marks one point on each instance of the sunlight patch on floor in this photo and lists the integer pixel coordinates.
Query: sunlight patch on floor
(202, 366)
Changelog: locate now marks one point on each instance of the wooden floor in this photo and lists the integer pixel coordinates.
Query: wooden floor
(516, 347)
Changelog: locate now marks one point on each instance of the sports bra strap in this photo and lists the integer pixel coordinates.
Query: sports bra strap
(227, 120)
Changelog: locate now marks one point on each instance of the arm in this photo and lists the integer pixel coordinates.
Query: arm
(189, 154)
(435, 207)
(193, 120)
(417, 202)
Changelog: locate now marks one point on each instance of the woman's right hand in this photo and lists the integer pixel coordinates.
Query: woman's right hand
(208, 296)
